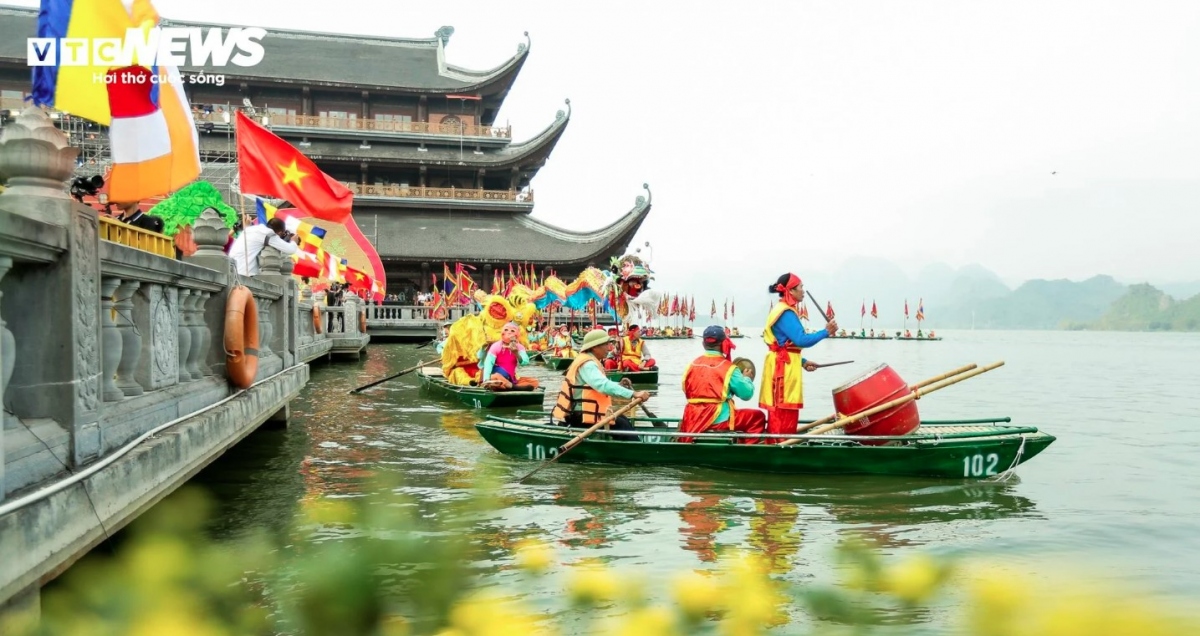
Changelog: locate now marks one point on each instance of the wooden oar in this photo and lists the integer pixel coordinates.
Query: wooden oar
(850, 419)
(911, 387)
(393, 377)
(422, 346)
(627, 383)
(574, 441)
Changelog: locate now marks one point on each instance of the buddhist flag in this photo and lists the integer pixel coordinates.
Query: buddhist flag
(732, 310)
(874, 310)
(153, 139)
(151, 132)
(921, 309)
(712, 313)
(906, 308)
(727, 310)
(306, 265)
(270, 166)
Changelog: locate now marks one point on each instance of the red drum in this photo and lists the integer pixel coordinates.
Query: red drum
(871, 389)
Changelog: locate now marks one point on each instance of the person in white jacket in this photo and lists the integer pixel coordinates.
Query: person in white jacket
(250, 243)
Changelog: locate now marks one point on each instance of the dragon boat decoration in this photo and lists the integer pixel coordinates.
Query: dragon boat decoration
(618, 290)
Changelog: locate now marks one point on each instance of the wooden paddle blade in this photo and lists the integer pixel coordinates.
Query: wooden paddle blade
(393, 377)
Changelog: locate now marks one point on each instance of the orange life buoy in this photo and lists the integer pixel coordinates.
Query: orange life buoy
(362, 322)
(316, 318)
(241, 337)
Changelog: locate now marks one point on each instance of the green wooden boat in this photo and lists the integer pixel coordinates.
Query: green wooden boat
(558, 364)
(917, 339)
(636, 377)
(434, 382)
(963, 449)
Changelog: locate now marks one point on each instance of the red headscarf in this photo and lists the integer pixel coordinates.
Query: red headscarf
(793, 282)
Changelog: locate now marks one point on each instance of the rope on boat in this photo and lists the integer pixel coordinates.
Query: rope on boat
(1007, 474)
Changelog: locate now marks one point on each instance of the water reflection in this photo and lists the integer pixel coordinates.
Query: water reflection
(595, 497)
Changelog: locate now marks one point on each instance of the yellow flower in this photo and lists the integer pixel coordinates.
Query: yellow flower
(534, 555)
(913, 580)
(696, 594)
(394, 625)
(328, 511)
(156, 561)
(592, 583)
(996, 598)
(168, 622)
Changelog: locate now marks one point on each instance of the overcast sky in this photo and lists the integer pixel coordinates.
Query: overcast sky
(802, 133)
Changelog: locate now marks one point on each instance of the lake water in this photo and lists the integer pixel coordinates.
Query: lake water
(1118, 493)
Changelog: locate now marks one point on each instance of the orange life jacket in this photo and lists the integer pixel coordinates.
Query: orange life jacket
(575, 396)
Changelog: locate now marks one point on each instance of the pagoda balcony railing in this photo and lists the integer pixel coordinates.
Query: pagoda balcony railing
(225, 116)
(461, 194)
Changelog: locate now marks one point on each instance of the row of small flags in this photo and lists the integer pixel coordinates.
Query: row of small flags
(312, 260)
(677, 306)
(875, 310)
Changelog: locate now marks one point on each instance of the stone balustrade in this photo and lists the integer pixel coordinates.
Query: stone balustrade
(101, 341)
(409, 322)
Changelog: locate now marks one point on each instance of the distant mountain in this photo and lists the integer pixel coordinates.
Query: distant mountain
(1181, 291)
(962, 298)
(1050, 304)
(1146, 308)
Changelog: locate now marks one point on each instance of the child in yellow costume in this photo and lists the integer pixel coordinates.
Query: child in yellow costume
(470, 334)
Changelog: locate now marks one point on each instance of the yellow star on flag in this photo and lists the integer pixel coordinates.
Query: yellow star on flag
(293, 174)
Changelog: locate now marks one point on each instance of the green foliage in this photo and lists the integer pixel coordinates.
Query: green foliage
(1145, 308)
(383, 565)
(186, 205)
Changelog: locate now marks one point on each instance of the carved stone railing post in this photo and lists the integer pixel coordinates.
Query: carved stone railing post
(185, 334)
(131, 339)
(38, 162)
(195, 323)
(61, 383)
(110, 341)
(265, 328)
(156, 314)
(210, 234)
(8, 358)
(270, 260)
(204, 335)
(351, 307)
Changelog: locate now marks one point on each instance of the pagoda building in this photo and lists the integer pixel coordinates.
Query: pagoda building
(436, 178)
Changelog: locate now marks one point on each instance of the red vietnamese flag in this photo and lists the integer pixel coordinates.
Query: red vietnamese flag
(804, 311)
(906, 308)
(712, 313)
(864, 308)
(874, 310)
(357, 280)
(829, 310)
(270, 166)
